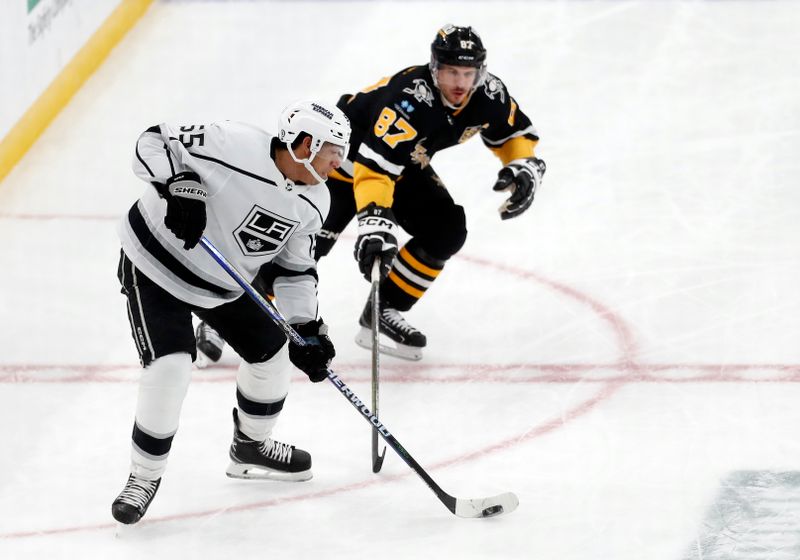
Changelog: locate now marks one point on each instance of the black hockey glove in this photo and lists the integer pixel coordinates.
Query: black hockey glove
(315, 357)
(522, 177)
(376, 239)
(186, 207)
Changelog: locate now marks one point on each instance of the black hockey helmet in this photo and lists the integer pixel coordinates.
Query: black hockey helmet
(458, 46)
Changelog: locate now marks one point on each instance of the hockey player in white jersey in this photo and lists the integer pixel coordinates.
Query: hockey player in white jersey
(259, 199)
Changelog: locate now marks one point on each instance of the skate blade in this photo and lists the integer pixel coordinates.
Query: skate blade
(256, 472)
(402, 351)
(123, 530)
(202, 361)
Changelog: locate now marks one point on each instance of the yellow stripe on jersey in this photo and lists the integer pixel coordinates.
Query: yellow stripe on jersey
(407, 288)
(370, 186)
(409, 258)
(379, 84)
(512, 114)
(339, 177)
(515, 148)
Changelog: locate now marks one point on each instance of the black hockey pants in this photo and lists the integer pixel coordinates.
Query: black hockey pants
(424, 209)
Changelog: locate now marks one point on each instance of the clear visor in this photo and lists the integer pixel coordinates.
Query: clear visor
(329, 150)
(451, 74)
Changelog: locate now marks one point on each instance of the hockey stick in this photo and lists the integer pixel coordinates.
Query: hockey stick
(377, 458)
(472, 508)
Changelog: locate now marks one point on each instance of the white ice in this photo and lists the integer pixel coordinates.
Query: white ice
(611, 356)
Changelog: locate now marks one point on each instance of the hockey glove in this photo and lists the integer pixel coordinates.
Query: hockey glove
(315, 357)
(376, 239)
(522, 177)
(186, 207)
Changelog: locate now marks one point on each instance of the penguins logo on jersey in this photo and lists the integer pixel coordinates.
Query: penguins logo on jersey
(420, 155)
(263, 232)
(471, 131)
(494, 87)
(421, 91)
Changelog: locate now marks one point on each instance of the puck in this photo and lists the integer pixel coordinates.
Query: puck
(492, 510)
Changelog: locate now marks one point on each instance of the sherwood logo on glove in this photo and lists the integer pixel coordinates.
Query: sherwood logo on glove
(263, 232)
(189, 192)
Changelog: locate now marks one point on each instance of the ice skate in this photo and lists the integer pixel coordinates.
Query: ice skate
(402, 339)
(269, 459)
(135, 498)
(209, 345)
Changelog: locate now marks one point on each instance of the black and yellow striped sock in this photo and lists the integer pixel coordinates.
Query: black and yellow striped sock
(412, 273)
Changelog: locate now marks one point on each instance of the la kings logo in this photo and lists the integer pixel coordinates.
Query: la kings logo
(263, 232)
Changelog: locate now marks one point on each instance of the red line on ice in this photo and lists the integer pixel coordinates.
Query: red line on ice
(533, 433)
(557, 373)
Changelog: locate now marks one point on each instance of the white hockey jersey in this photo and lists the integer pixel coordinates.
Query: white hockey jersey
(254, 216)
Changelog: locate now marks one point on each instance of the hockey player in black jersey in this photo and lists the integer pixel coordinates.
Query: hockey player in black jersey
(260, 200)
(399, 124)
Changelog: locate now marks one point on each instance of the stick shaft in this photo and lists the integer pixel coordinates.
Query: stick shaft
(377, 457)
(448, 500)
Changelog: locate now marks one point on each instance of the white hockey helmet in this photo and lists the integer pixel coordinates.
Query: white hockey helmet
(324, 122)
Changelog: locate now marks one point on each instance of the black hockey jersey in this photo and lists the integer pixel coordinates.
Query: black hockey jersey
(402, 121)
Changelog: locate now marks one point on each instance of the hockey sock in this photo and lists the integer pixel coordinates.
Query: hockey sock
(162, 388)
(261, 390)
(413, 271)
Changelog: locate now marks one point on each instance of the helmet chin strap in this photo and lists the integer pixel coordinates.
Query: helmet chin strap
(446, 103)
(307, 164)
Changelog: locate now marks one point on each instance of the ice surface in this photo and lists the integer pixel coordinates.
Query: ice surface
(613, 357)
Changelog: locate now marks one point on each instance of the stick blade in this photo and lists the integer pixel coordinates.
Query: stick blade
(377, 458)
(487, 507)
